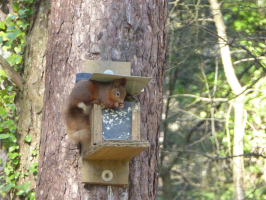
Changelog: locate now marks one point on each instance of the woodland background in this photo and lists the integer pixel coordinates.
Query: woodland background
(197, 147)
(212, 137)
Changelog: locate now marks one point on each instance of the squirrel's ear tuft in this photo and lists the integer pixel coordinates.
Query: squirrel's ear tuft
(123, 81)
(120, 82)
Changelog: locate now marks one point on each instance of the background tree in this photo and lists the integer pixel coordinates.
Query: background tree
(239, 101)
(132, 31)
(198, 122)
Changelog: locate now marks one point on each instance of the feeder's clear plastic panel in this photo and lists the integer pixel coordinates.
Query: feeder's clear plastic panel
(117, 123)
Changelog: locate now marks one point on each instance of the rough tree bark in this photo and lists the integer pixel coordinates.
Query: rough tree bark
(239, 125)
(132, 31)
(30, 99)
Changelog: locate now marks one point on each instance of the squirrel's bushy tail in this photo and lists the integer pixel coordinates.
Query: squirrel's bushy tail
(77, 123)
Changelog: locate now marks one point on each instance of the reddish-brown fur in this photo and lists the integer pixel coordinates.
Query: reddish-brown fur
(111, 95)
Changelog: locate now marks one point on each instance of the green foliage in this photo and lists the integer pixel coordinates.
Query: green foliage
(194, 120)
(23, 189)
(12, 35)
(9, 137)
(12, 38)
(244, 16)
(27, 139)
(34, 169)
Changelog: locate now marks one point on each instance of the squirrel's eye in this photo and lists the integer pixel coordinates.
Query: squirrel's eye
(117, 94)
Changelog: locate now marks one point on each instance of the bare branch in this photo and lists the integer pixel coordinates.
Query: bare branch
(197, 97)
(249, 59)
(251, 54)
(186, 179)
(215, 157)
(11, 73)
(17, 79)
(249, 87)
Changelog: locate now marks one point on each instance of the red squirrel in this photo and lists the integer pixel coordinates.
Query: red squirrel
(110, 95)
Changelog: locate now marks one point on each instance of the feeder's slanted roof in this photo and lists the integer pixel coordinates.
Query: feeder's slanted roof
(134, 83)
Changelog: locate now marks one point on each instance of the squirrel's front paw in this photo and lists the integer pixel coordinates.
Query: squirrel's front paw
(116, 105)
(121, 105)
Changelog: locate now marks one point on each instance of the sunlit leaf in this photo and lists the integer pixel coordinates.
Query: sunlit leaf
(13, 155)
(203, 114)
(17, 49)
(19, 22)
(32, 196)
(13, 148)
(2, 25)
(27, 138)
(8, 187)
(15, 161)
(2, 73)
(34, 167)
(16, 6)
(4, 136)
(23, 188)
(8, 170)
(10, 17)
(21, 192)
(3, 34)
(14, 34)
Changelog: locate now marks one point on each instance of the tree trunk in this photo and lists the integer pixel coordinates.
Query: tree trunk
(166, 161)
(238, 163)
(132, 31)
(30, 111)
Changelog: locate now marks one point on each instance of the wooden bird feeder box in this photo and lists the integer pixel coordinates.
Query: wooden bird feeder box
(115, 133)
